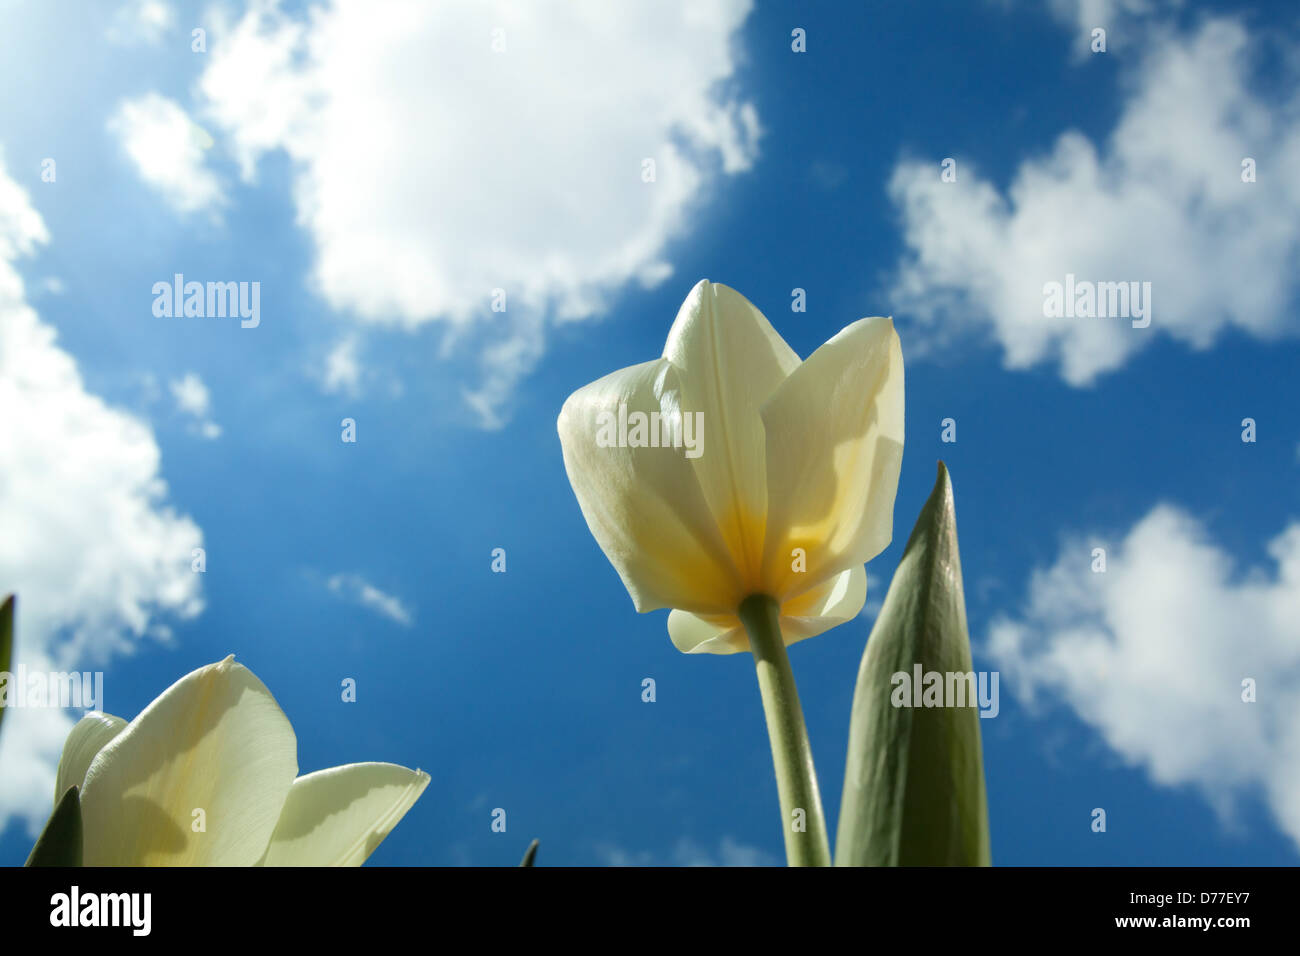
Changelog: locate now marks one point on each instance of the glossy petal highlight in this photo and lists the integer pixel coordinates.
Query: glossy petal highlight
(643, 504)
(88, 737)
(730, 361)
(215, 741)
(337, 817)
(834, 451)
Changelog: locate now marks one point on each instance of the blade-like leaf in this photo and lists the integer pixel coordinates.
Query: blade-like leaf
(530, 855)
(914, 783)
(60, 842)
(6, 645)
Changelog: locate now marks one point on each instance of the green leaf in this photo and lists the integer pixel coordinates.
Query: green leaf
(914, 783)
(60, 842)
(530, 855)
(6, 645)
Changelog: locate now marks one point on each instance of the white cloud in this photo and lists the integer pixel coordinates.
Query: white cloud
(141, 21)
(1162, 201)
(358, 590)
(430, 170)
(192, 399)
(687, 852)
(191, 395)
(1123, 20)
(168, 150)
(342, 372)
(96, 556)
(1152, 654)
(876, 590)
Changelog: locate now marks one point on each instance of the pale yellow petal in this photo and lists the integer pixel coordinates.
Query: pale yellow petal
(643, 504)
(730, 361)
(215, 741)
(711, 634)
(834, 449)
(831, 603)
(337, 817)
(86, 739)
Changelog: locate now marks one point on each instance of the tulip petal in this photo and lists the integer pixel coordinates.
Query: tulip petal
(215, 741)
(828, 605)
(86, 739)
(707, 634)
(831, 603)
(834, 449)
(643, 504)
(337, 817)
(730, 361)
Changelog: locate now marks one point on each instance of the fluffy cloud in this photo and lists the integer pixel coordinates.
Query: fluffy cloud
(1121, 19)
(441, 152)
(168, 151)
(1153, 652)
(193, 400)
(141, 21)
(1126, 22)
(1163, 200)
(96, 556)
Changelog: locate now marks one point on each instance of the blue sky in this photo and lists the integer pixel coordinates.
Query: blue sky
(379, 177)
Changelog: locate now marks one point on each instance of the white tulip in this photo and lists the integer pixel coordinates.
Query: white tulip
(206, 775)
(789, 492)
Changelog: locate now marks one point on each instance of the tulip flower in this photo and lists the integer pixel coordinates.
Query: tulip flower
(206, 775)
(757, 536)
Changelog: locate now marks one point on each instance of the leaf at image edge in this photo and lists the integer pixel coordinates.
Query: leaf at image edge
(530, 855)
(60, 842)
(6, 639)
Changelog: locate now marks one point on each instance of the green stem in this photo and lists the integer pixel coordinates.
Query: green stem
(796, 780)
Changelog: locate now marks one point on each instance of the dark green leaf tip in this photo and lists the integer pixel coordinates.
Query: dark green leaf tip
(530, 855)
(60, 842)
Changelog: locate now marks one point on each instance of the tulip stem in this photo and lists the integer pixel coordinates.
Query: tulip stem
(796, 780)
